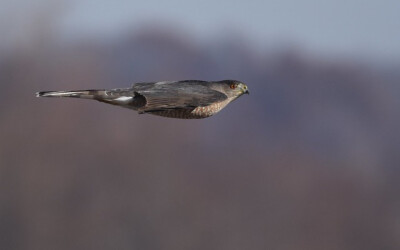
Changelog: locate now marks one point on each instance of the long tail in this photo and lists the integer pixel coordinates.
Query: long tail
(86, 94)
(122, 97)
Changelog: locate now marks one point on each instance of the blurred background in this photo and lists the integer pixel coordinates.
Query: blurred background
(310, 160)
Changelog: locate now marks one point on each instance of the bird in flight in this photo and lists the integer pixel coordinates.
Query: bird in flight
(190, 99)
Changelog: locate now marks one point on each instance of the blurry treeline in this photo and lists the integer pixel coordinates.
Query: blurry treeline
(310, 160)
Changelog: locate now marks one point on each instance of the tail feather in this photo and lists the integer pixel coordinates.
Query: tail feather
(86, 94)
(121, 97)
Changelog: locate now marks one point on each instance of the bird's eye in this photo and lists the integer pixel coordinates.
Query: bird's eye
(233, 86)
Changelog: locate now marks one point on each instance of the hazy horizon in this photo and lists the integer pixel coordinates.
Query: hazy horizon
(364, 29)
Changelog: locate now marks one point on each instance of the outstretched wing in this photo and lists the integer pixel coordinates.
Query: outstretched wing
(177, 95)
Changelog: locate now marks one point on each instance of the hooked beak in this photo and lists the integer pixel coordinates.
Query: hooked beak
(246, 90)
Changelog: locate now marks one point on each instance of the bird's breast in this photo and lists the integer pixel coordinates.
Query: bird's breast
(196, 113)
(210, 110)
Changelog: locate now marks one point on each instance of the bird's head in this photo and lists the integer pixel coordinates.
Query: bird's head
(233, 88)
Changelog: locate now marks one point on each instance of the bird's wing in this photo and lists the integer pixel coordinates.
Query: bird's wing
(176, 96)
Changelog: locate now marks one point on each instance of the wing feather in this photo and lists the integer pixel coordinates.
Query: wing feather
(177, 95)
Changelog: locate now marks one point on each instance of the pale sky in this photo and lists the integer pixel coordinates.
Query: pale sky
(366, 27)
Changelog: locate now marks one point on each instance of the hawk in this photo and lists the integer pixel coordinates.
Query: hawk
(190, 99)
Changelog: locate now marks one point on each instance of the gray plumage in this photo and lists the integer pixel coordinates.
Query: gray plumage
(190, 99)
